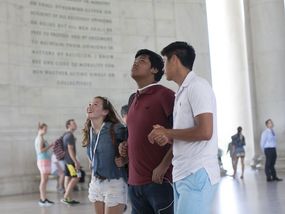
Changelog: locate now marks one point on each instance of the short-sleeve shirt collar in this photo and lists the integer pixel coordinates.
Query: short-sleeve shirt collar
(186, 82)
(149, 89)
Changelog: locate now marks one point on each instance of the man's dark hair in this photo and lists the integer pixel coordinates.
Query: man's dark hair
(239, 129)
(124, 110)
(156, 62)
(184, 52)
(68, 122)
(267, 121)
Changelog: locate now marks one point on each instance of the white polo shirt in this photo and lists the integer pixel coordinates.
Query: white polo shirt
(194, 97)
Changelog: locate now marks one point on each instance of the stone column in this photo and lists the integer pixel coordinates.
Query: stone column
(265, 21)
(230, 71)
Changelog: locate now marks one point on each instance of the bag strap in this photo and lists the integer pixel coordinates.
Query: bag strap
(113, 137)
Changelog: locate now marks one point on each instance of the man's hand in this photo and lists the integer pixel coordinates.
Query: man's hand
(123, 149)
(158, 135)
(158, 173)
(77, 165)
(121, 161)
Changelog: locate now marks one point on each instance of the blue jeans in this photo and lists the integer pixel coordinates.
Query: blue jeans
(151, 198)
(194, 194)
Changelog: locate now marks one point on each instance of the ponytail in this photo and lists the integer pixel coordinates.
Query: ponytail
(41, 125)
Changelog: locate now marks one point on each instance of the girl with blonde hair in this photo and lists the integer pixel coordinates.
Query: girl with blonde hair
(43, 162)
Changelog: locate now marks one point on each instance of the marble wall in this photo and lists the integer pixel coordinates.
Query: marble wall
(55, 55)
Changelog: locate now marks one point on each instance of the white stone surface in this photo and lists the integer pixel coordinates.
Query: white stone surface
(42, 77)
(230, 72)
(267, 53)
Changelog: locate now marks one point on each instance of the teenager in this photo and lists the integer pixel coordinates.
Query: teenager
(72, 165)
(150, 167)
(194, 135)
(103, 133)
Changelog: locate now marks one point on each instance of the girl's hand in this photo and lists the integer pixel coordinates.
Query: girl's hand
(123, 149)
(121, 161)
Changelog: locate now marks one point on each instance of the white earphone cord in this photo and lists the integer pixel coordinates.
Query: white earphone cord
(169, 205)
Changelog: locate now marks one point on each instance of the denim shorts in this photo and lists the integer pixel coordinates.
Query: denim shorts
(112, 192)
(194, 194)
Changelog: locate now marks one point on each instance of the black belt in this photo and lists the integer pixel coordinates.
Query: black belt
(101, 178)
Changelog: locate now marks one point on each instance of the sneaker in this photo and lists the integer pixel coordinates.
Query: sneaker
(68, 201)
(75, 202)
(49, 202)
(41, 203)
(45, 203)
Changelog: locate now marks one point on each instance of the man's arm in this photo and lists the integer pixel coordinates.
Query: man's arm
(262, 141)
(203, 130)
(167, 159)
(72, 155)
(159, 172)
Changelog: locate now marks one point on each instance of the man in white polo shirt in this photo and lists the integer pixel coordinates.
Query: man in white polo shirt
(194, 135)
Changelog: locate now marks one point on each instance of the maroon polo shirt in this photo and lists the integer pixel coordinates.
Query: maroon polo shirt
(153, 105)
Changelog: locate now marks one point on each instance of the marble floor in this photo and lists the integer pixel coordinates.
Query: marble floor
(252, 195)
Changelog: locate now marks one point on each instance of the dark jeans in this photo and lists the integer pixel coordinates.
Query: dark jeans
(151, 198)
(271, 156)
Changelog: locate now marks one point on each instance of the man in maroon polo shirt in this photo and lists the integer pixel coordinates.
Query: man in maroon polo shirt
(149, 164)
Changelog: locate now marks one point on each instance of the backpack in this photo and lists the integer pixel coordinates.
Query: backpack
(58, 148)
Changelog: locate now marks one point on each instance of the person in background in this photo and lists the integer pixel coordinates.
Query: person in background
(102, 135)
(43, 162)
(231, 151)
(124, 113)
(57, 168)
(268, 145)
(220, 155)
(238, 142)
(72, 165)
